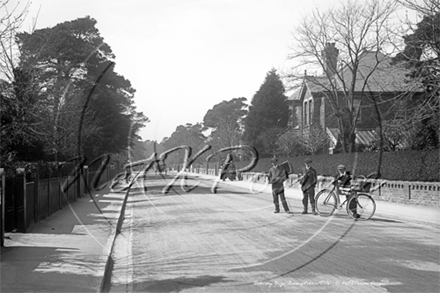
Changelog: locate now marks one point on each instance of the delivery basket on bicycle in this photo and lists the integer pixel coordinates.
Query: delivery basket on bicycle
(361, 185)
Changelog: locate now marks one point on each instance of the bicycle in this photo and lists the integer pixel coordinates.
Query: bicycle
(360, 205)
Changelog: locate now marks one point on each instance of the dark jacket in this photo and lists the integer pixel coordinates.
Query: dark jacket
(277, 175)
(343, 180)
(309, 179)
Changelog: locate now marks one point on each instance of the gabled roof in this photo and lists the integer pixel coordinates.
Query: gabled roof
(315, 84)
(375, 67)
(296, 96)
(380, 74)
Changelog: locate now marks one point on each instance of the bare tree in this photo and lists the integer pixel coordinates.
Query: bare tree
(314, 140)
(15, 114)
(289, 143)
(11, 21)
(423, 7)
(355, 27)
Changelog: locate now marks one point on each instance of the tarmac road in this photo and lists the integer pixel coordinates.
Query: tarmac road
(232, 241)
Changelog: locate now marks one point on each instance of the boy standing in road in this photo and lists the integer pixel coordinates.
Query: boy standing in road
(308, 182)
(277, 176)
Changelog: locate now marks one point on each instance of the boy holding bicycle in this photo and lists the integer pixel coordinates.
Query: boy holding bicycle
(342, 182)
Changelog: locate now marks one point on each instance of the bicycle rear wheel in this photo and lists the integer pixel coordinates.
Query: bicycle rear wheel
(325, 202)
(361, 207)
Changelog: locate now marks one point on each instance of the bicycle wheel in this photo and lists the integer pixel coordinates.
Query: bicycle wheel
(361, 207)
(325, 202)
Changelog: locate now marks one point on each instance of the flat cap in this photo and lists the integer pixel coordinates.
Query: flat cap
(307, 160)
(340, 167)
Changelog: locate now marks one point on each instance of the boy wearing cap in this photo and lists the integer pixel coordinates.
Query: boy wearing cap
(343, 178)
(342, 182)
(308, 182)
(277, 175)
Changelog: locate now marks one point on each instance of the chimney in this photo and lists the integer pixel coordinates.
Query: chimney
(330, 58)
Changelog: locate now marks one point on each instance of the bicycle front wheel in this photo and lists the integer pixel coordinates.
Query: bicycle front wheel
(325, 202)
(361, 207)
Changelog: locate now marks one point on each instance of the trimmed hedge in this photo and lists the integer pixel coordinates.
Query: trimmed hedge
(401, 165)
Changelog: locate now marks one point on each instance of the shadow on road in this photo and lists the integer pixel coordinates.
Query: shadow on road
(177, 284)
(383, 220)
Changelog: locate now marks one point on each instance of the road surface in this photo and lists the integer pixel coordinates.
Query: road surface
(231, 241)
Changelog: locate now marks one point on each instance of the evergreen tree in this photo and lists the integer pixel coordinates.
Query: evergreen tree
(65, 62)
(184, 135)
(225, 121)
(421, 56)
(268, 110)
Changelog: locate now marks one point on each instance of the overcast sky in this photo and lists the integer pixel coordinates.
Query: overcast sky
(185, 56)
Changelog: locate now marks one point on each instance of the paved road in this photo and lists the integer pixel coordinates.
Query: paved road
(232, 241)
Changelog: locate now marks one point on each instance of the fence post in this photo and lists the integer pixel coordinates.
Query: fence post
(21, 206)
(60, 192)
(2, 207)
(36, 198)
(86, 176)
(48, 191)
(77, 187)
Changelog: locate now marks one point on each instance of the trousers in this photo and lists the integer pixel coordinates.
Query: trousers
(309, 195)
(280, 194)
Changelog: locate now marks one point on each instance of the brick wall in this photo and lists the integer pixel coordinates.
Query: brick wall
(405, 192)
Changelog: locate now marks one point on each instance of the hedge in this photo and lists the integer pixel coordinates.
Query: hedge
(400, 165)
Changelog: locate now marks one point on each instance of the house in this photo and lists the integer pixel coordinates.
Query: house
(319, 99)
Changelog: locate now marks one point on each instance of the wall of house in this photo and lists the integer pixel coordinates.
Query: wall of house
(324, 115)
(322, 110)
(304, 118)
(296, 121)
(330, 117)
(368, 118)
(316, 115)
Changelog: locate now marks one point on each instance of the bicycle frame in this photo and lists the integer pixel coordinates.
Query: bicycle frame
(328, 200)
(340, 204)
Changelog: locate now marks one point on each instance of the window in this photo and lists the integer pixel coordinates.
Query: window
(306, 109)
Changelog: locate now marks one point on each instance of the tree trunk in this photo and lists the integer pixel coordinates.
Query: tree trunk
(342, 133)
(379, 119)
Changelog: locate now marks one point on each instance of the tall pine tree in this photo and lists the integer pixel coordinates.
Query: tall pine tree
(268, 114)
(64, 62)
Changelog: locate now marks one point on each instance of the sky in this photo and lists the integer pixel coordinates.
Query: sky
(185, 56)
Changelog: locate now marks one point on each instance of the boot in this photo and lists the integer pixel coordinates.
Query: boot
(314, 210)
(304, 211)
